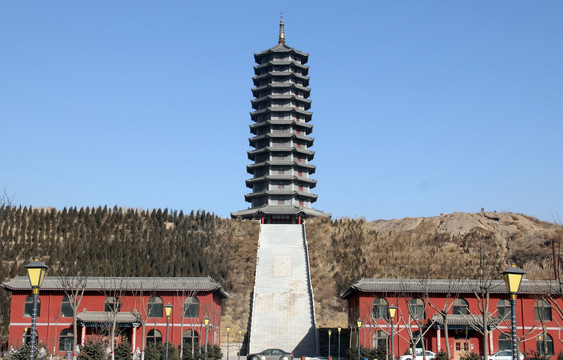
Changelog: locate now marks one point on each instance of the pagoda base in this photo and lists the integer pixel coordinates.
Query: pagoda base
(271, 214)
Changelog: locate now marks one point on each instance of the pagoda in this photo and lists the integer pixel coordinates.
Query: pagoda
(281, 171)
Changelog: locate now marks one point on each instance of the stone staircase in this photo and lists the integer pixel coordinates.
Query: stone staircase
(283, 314)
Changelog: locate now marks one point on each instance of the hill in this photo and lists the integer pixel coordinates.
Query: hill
(128, 242)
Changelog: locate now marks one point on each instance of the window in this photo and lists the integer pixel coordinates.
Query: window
(191, 307)
(416, 340)
(28, 307)
(65, 340)
(544, 344)
(190, 337)
(461, 307)
(154, 337)
(503, 309)
(380, 309)
(66, 309)
(380, 340)
(542, 310)
(281, 202)
(416, 308)
(112, 304)
(504, 342)
(26, 339)
(154, 308)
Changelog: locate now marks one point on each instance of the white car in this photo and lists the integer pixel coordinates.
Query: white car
(505, 355)
(418, 356)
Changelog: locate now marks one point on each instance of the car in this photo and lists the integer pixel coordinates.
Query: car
(418, 355)
(271, 354)
(505, 355)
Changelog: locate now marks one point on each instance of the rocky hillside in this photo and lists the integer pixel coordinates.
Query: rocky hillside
(460, 245)
(168, 243)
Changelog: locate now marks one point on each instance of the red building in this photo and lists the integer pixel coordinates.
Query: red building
(421, 305)
(135, 305)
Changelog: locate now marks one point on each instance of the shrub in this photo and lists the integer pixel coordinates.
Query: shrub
(23, 352)
(470, 356)
(441, 355)
(123, 351)
(93, 350)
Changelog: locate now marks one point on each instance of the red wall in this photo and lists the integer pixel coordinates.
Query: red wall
(527, 327)
(50, 323)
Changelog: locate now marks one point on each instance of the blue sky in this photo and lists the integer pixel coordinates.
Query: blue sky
(419, 107)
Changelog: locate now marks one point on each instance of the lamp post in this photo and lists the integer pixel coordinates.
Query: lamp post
(206, 322)
(359, 323)
(392, 312)
(168, 312)
(339, 330)
(513, 278)
(329, 334)
(228, 341)
(239, 343)
(36, 273)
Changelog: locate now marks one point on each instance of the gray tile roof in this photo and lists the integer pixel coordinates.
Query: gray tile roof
(125, 283)
(103, 317)
(444, 286)
(464, 320)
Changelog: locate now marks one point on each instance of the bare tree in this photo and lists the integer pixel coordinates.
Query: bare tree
(6, 199)
(73, 287)
(113, 288)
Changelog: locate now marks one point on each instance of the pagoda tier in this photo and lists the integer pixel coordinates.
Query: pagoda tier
(281, 153)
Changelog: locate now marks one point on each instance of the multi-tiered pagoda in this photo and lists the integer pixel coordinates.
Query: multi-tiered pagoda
(281, 183)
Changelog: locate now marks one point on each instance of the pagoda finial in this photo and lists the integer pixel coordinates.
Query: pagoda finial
(282, 34)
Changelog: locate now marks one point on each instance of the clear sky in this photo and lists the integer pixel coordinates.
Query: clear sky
(419, 107)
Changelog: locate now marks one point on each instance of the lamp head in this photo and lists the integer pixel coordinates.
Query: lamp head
(513, 278)
(359, 323)
(339, 329)
(228, 329)
(329, 332)
(168, 310)
(392, 312)
(36, 273)
(206, 321)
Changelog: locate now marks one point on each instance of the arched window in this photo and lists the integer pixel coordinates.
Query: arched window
(416, 308)
(380, 309)
(26, 339)
(28, 307)
(503, 310)
(66, 309)
(154, 337)
(154, 307)
(461, 307)
(542, 310)
(190, 337)
(416, 340)
(504, 342)
(544, 345)
(191, 307)
(112, 304)
(65, 340)
(380, 340)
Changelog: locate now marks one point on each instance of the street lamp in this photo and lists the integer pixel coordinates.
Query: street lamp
(339, 330)
(359, 323)
(206, 322)
(513, 278)
(329, 334)
(392, 312)
(228, 341)
(36, 273)
(239, 343)
(168, 312)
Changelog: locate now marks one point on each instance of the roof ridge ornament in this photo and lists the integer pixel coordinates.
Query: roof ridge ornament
(281, 39)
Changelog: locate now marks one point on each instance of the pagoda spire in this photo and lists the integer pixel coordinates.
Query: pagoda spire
(282, 33)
